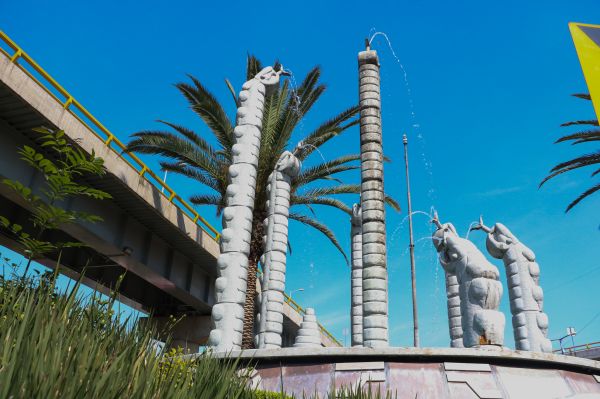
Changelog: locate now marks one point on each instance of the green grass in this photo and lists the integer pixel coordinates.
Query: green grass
(65, 345)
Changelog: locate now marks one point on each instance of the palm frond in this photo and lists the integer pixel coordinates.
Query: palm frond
(592, 122)
(206, 105)
(583, 195)
(326, 169)
(579, 162)
(392, 202)
(332, 190)
(583, 96)
(197, 174)
(270, 132)
(233, 93)
(345, 189)
(191, 136)
(253, 66)
(306, 200)
(309, 82)
(580, 137)
(171, 146)
(208, 199)
(328, 130)
(300, 101)
(321, 228)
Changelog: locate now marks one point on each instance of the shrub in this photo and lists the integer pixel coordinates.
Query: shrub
(65, 346)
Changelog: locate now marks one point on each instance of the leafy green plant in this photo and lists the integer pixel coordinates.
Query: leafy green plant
(51, 346)
(62, 174)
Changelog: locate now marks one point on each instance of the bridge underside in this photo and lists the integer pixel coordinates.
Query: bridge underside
(167, 271)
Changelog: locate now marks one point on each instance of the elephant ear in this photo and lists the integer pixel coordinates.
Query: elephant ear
(495, 247)
(528, 254)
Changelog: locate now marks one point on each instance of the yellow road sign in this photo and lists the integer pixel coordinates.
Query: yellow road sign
(587, 43)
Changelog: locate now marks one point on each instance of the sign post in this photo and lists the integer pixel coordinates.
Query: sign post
(586, 38)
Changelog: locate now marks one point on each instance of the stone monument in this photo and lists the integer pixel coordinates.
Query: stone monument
(309, 335)
(356, 313)
(478, 287)
(372, 202)
(232, 265)
(275, 253)
(530, 323)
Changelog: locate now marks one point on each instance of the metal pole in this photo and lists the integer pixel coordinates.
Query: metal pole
(165, 180)
(411, 247)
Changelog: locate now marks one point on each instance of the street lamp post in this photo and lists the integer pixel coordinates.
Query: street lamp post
(411, 247)
(162, 190)
(292, 291)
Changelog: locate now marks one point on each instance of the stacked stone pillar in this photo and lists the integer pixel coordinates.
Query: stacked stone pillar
(454, 315)
(309, 334)
(275, 254)
(530, 323)
(232, 265)
(375, 285)
(356, 313)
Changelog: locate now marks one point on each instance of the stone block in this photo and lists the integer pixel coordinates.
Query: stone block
(374, 272)
(375, 334)
(374, 296)
(375, 284)
(371, 308)
(373, 260)
(373, 248)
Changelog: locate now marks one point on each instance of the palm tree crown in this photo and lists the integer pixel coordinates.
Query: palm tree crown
(191, 155)
(593, 158)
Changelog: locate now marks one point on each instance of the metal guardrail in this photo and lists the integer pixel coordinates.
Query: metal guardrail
(578, 348)
(71, 104)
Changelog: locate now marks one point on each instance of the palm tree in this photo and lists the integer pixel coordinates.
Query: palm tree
(191, 155)
(593, 158)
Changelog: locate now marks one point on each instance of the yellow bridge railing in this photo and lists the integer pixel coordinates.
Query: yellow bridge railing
(22, 60)
(111, 141)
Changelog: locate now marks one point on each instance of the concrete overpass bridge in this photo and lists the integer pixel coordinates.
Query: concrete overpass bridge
(168, 250)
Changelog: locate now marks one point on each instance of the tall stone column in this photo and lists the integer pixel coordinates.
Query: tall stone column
(375, 285)
(232, 265)
(454, 315)
(275, 254)
(356, 312)
(530, 323)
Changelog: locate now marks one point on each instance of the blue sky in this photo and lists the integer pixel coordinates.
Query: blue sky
(487, 85)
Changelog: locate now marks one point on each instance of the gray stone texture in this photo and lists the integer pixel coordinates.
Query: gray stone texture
(454, 315)
(375, 295)
(479, 287)
(530, 323)
(309, 335)
(275, 254)
(356, 313)
(232, 266)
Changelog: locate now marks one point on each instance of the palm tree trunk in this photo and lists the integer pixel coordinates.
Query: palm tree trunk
(256, 250)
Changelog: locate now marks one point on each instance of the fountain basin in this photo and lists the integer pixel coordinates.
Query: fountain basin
(424, 372)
